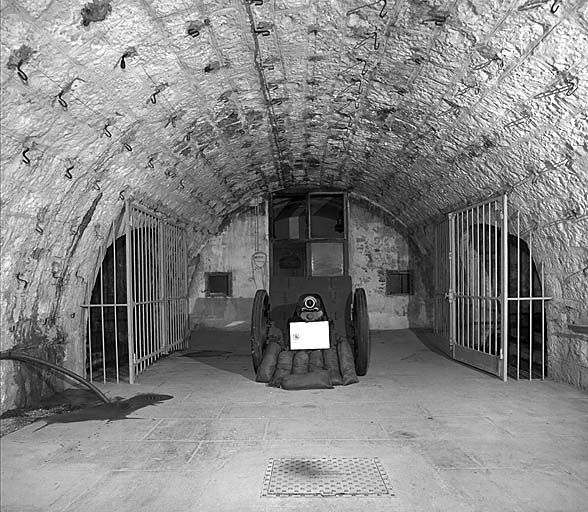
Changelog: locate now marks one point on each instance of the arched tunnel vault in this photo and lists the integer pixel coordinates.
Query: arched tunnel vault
(192, 108)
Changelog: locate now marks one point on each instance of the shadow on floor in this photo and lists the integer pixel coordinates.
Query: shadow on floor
(223, 349)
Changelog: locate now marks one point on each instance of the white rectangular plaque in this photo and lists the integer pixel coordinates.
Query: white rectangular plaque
(309, 335)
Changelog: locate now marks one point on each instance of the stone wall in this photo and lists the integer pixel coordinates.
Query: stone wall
(375, 245)
(232, 250)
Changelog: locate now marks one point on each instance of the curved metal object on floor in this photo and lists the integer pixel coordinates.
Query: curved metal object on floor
(19, 356)
(259, 326)
(361, 327)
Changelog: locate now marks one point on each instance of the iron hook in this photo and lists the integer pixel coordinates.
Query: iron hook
(121, 195)
(572, 86)
(153, 97)
(382, 13)
(25, 158)
(261, 31)
(188, 136)
(62, 102)
(23, 76)
(128, 147)
(555, 6)
(39, 229)
(68, 173)
(21, 280)
(150, 163)
(106, 131)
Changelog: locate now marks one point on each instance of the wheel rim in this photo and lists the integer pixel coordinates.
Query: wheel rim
(259, 326)
(361, 346)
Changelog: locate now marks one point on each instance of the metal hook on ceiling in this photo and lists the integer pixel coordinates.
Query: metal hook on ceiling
(61, 101)
(23, 76)
(21, 280)
(262, 31)
(171, 120)
(382, 13)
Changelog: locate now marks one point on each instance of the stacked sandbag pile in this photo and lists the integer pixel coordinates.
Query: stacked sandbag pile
(307, 369)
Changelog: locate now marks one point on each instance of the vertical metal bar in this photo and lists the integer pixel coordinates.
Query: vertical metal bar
(101, 273)
(130, 292)
(137, 237)
(145, 291)
(163, 345)
(151, 279)
(162, 251)
(497, 255)
(531, 305)
(153, 320)
(490, 276)
(144, 233)
(89, 328)
(518, 294)
(466, 240)
(186, 305)
(484, 294)
(115, 302)
(452, 281)
(462, 282)
(478, 288)
(542, 323)
(504, 287)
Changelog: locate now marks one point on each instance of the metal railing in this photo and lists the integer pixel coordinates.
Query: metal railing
(139, 305)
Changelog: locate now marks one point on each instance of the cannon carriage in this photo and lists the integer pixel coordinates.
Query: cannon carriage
(312, 313)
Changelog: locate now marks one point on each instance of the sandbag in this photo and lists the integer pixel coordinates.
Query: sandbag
(346, 363)
(300, 362)
(275, 334)
(320, 379)
(268, 363)
(331, 360)
(283, 368)
(315, 361)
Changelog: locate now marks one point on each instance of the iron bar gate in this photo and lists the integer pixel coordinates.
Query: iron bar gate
(441, 278)
(495, 294)
(138, 309)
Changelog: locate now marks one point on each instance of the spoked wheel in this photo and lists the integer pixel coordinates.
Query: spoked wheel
(361, 329)
(259, 326)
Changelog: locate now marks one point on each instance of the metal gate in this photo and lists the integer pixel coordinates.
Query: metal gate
(139, 305)
(441, 278)
(487, 265)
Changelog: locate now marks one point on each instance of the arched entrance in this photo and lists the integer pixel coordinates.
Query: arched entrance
(138, 309)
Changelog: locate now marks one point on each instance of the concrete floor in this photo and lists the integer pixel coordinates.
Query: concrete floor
(449, 437)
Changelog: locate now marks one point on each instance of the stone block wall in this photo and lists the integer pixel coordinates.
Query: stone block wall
(375, 245)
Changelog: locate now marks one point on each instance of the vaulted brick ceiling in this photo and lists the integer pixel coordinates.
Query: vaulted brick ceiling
(194, 107)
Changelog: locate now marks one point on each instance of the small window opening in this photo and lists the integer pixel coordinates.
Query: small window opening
(398, 282)
(218, 284)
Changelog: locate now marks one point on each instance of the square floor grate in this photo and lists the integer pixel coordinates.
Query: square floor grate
(325, 477)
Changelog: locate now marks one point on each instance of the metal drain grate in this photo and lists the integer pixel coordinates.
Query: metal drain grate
(325, 477)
